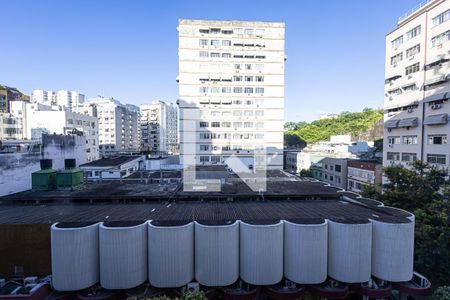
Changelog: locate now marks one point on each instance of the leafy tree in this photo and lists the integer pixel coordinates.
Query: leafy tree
(424, 191)
(293, 140)
(194, 295)
(441, 293)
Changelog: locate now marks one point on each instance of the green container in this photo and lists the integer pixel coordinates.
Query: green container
(44, 180)
(70, 178)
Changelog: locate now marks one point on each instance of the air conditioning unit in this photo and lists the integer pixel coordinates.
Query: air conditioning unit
(193, 286)
(410, 110)
(436, 106)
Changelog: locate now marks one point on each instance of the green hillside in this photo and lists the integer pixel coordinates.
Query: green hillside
(359, 124)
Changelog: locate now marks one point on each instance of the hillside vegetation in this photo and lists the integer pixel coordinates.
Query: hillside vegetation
(360, 125)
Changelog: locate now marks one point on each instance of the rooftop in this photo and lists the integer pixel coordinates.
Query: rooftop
(110, 162)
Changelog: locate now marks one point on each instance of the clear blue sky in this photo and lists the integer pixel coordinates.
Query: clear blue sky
(128, 49)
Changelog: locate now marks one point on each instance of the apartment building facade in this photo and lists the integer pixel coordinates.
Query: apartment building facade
(63, 98)
(159, 128)
(42, 119)
(332, 170)
(361, 173)
(117, 125)
(231, 91)
(417, 86)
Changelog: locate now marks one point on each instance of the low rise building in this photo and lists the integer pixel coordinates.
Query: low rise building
(332, 170)
(112, 167)
(362, 173)
(44, 119)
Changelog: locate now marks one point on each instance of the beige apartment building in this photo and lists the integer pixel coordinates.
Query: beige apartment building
(231, 91)
(417, 87)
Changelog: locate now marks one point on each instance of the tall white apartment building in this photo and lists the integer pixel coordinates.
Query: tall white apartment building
(63, 98)
(417, 87)
(231, 91)
(117, 124)
(159, 127)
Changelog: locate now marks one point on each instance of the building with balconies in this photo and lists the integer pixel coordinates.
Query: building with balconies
(417, 87)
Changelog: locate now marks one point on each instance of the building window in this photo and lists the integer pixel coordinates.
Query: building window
(337, 168)
(413, 33)
(203, 89)
(396, 58)
(436, 159)
(226, 124)
(226, 55)
(397, 42)
(437, 139)
(410, 88)
(393, 156)
(204, 158)
(203, 43)
(413, 51)
(393, 140)
(215, 43)
(237, 90)
(215, 89)
(226, 43)
(237, 78)
(248, 78)
(204, 124)
(259, 78)
(237, 124)
(215, 54)
(440, 39)
(412, 69)
(215, 159)
(204, 54)
(226, 89)
(259, 90)
(215, 124)
(204, 136)
(441, 18)
(248, 66)
(248, 90)
(409, 156)
(204, 147)
(248, 31)
(410, 139)
(237, 66)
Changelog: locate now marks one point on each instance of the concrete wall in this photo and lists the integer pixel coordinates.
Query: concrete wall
(16, 168)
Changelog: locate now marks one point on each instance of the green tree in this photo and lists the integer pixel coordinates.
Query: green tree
(293, 140)
(441, 293)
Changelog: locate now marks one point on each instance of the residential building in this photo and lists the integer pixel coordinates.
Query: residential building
(332, 170)
(113, 168)
(362, 173)
(159, 128)
(10, 127)
(296, 161)
(41, 119)
(9, 94)
(231, 92)
(417, 85)
(118, 125)
(63, 98)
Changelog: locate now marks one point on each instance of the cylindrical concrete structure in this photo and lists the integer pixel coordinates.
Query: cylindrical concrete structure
(261, 252)
(349, 250)
(305, 250)
(217, 253)
(393, 250)
(123, 254)
(75, 259)
(170, 253)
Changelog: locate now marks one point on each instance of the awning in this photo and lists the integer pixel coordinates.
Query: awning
(440, 119)
(408, 122)
(437, 97)
(436, 81)
(436, 62)
(389, 79)
(391, 124)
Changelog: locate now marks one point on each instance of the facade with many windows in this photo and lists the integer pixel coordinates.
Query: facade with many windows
(417, 87)
(231, 91)
(159, 128)
(65, 99)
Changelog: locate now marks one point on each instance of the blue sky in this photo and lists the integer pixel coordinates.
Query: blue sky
(128, 49)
